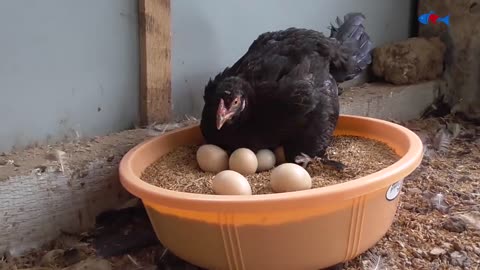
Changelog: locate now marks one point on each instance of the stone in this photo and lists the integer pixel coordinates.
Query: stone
(414, 191)
(447, 245)
(455, 225)
(409, 61)
(458, 258)
(436, 251)
(471, 219)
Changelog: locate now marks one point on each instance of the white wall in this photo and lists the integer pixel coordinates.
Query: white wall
(209, 35)
(61, 60)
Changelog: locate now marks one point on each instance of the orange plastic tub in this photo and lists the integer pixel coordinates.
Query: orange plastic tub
(308, 229)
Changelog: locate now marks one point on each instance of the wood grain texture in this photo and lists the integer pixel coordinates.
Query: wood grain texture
(36, 206)
(155, 61)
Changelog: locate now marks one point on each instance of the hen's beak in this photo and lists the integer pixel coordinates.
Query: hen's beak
(220, 121)
(222, 114)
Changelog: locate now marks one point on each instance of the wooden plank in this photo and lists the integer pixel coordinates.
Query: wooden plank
(155, 61)
(389, 102)
(38, 201)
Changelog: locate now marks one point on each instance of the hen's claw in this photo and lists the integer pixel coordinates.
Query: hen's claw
(332, 163)
(304, 159)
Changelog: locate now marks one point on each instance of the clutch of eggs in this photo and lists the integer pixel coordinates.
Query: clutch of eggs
(231, 171)
(211, 158)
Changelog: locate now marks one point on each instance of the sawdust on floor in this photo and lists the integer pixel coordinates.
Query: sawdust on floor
(437, 225)
(179, 171)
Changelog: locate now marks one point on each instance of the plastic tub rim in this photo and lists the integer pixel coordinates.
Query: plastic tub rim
(346, 190)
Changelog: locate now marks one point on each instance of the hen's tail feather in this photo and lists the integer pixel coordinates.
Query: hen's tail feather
(353, 53)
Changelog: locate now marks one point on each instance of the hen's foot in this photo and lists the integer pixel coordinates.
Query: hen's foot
(304, 159)
(332, 163)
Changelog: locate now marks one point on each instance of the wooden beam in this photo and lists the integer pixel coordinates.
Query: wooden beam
(155, 61)
(36, 207)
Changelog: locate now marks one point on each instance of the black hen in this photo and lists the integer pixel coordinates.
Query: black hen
(283, 91)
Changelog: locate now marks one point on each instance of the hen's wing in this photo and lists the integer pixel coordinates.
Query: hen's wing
(301, 89)
(274, 54)
(285, 69)
(315, 136)
(352, 36)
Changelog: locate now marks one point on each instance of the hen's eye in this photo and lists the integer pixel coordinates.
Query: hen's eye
(235, 101)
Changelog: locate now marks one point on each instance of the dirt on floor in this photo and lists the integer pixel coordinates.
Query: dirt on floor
(75, 155)
(437, 225)
(438, 221)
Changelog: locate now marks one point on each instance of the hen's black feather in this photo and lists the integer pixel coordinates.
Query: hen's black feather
(351, 33)
(288, 80)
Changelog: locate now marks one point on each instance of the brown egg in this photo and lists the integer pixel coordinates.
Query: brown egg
(290, 177)
(211, 158)
(280, 155)
(266, 160)
(229, 182)
(243, 161)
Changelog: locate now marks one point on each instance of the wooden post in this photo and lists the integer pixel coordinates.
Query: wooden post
(155, 61)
